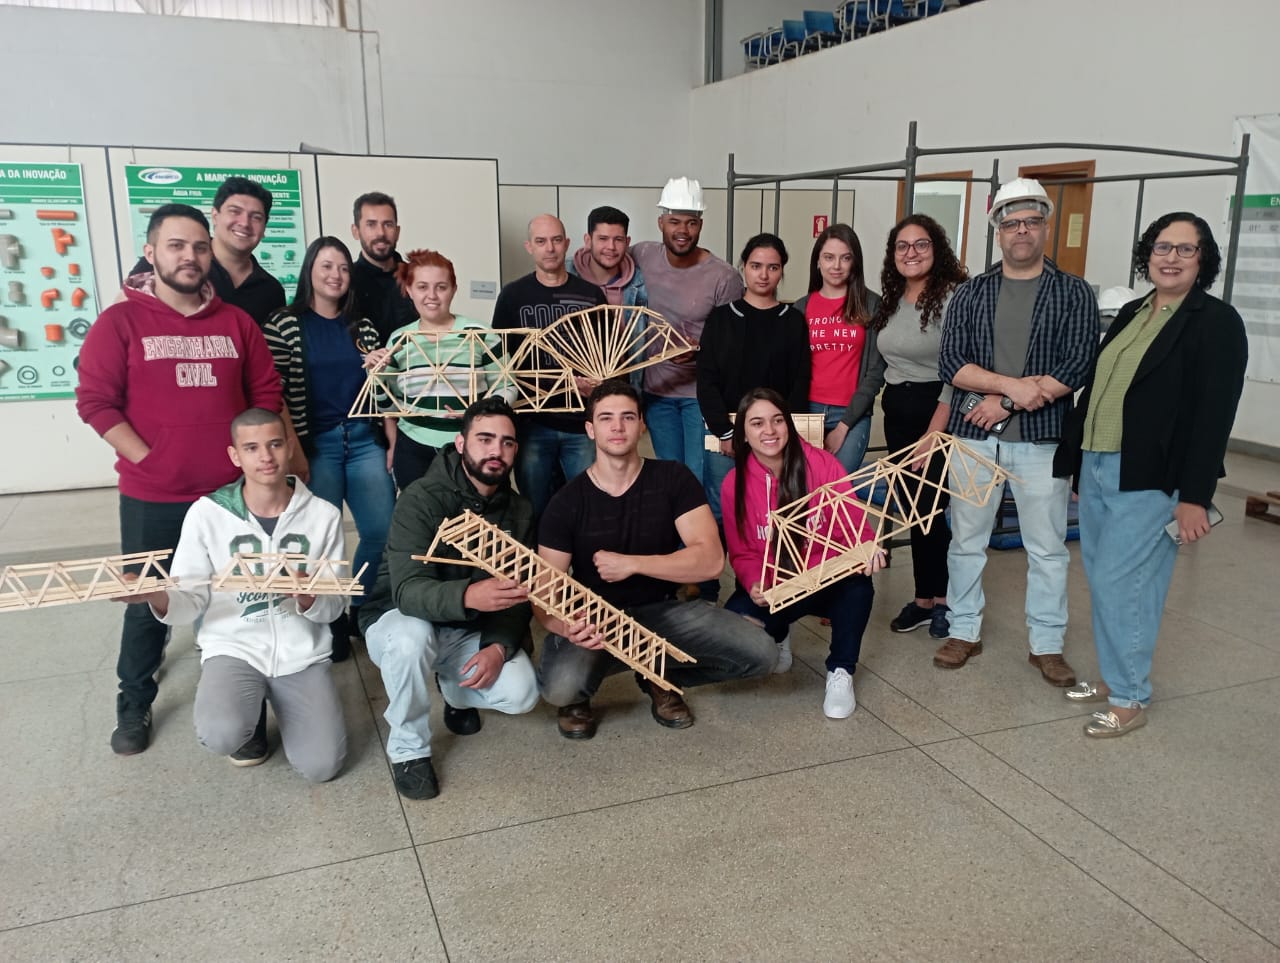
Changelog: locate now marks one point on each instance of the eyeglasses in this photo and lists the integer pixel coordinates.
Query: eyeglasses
(920, 246)
(1014, 224)
(1161, 248)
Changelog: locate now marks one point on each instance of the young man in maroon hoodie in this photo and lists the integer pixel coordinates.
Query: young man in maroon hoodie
(162, 374)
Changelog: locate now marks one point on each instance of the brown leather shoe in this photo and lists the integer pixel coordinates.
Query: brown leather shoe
(576, 721)
(668, 708)
(955, 653)
(1054, 668)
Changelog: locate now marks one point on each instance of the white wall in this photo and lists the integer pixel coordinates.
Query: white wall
(115, 78)
(1080, 77)
(573, 92)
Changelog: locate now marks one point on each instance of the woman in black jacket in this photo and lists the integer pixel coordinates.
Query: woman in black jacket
(1145, 445)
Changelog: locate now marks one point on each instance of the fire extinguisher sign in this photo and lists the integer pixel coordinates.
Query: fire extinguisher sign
(819, 224)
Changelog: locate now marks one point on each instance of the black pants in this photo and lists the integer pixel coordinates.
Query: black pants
(907, 410)
(410, 460)
(144, 527)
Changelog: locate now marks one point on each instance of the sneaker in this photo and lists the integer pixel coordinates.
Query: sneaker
(784, 654)
(415, 779)
(256, 749)
(840, 701)
(132, 733)
(911, 618)
(939, 624)
(462, 722)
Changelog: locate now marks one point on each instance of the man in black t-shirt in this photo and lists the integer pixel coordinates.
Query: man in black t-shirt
(375, 223)
(538, 300)
(632, 531)
(241, 208)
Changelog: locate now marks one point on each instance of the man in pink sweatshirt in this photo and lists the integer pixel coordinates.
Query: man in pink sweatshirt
(162, 374)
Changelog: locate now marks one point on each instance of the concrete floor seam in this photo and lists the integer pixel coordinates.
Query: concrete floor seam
(1107, 832)
(668, 795)
(206, 889)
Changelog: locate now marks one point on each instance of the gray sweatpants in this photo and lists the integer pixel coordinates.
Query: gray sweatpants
(307, 706)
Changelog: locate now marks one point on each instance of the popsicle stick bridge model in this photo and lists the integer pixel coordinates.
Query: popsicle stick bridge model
(45, 584)
(488, 547)
(840, 525)
(536, 366)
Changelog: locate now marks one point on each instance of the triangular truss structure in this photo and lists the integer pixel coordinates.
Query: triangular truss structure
(609, 341)
(286, 573)
(534, 368)
(44, 584)
(828, 524)
(488, 547)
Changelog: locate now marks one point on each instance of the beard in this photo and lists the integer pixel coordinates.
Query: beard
(371, 249)
(182, 287)
(476, 471)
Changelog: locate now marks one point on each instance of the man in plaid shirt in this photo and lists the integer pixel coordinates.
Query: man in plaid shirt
(1023, 337)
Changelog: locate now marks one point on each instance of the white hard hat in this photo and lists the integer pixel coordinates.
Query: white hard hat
(682, 194)
(1019, 189)
(1111, 300)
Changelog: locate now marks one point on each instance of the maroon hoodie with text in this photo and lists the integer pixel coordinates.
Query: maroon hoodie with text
(178, 380)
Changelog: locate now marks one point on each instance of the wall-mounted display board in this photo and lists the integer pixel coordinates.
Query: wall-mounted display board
(283, 244)
(48, 296)
(291, 178)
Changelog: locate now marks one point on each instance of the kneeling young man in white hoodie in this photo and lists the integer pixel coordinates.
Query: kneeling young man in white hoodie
(260, 645)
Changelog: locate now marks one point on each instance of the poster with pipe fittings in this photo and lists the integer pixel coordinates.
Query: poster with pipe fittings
(284, 243)
(48, 296)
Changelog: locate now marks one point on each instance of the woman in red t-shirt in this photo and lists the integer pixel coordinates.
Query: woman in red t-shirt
(847, 370)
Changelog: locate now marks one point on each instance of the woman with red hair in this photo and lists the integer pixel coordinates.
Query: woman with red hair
(434, 362)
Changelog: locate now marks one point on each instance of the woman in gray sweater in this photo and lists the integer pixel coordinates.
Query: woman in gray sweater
(920, 272)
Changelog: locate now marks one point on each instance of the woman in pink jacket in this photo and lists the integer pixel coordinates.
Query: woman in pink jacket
(774, 466)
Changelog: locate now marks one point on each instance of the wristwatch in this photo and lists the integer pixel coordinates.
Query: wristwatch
(1006, 403)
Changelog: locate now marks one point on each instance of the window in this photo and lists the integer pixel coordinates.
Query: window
(311, 13)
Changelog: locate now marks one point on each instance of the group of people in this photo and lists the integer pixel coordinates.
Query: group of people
(203, 351)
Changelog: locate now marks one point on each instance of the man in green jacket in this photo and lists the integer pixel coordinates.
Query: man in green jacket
(455, 621)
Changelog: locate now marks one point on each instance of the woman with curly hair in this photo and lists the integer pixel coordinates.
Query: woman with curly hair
(920, 272)
(847, 371)
(1145, 445)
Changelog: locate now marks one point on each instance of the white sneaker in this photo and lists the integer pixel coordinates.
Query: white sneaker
(840, 702)
(784, 654)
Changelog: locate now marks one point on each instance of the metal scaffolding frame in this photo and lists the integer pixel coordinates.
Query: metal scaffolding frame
(1234, 166)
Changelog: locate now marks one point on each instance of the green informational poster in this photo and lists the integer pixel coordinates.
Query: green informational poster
(48, 297)
(281, 250)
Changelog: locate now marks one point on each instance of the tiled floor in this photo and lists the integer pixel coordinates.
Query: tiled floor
(956, 815)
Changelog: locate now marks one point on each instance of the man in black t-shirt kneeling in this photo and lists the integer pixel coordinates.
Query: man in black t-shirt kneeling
(633, 530)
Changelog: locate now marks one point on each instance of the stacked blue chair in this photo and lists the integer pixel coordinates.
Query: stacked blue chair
(820, 29)
(793, 39)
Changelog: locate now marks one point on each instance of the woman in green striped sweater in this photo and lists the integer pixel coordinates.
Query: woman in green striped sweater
(440, 370)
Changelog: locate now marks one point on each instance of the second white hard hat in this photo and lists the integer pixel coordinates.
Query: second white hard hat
(1019, 189)
(682, 194)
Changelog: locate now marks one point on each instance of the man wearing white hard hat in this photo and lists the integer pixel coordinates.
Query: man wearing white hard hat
(1016, 343)
(685, 282)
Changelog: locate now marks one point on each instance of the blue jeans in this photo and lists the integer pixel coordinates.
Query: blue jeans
(846, 603)
(541, 449)
(854, 448)
(348, 465)
(408, 651)
(1128, 559)
(1042, 519)
(677, 430)
(726, 647)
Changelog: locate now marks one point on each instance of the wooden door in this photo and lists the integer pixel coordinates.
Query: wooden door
(1073, 203)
